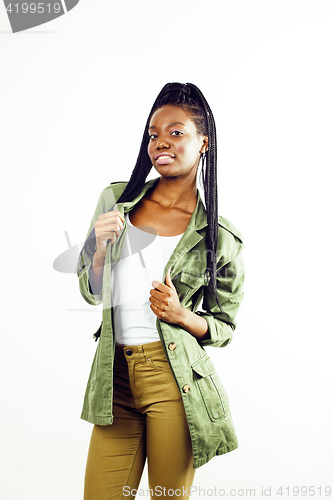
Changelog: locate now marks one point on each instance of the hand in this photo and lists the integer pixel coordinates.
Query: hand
(165, 302)
(108, 226)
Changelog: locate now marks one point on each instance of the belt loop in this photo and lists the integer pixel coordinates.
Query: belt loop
(144, 351)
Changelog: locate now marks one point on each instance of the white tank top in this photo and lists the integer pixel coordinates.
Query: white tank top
(143, 259)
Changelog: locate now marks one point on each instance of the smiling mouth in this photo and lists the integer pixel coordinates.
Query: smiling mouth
(164, 154)
(164, 159)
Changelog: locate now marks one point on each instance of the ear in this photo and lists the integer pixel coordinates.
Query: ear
(204, 147)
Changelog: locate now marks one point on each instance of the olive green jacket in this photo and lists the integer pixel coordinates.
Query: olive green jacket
(205, 401)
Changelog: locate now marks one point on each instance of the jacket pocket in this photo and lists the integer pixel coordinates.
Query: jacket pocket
(211, 389)
(189, 282)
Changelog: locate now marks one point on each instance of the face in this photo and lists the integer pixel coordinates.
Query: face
(174, 146)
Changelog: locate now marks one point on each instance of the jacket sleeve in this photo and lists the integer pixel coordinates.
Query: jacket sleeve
(229, 284)
(106, 202)
(84, 266)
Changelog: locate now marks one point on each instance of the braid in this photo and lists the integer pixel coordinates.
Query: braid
(209, 174)
(190, 98)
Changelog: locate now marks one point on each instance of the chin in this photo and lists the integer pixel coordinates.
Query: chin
(164, 172)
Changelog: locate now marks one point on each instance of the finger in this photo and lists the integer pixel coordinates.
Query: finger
(154, 309)
(119, 214)
(110, 225)
(103, 228)
(160, 314)
(117, 232)
(113, 214)
(161, 287)
(168, 280)
(156, 294)
(110, 217)
(153, 300)
(105, 235)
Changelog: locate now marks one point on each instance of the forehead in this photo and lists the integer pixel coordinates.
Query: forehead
(170, 114)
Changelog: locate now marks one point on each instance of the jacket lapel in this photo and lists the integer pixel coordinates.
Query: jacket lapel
(189, 239)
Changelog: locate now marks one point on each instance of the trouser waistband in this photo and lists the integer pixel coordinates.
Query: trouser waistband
(145, 349)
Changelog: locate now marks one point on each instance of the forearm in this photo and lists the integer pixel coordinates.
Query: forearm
(96, 273)
(194, 324)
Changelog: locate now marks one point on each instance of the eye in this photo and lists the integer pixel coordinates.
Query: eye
(177, 132)
(152, 136)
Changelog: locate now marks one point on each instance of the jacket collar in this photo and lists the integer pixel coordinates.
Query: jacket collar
(198, 219)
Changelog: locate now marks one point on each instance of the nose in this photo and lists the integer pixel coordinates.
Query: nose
(162, 143)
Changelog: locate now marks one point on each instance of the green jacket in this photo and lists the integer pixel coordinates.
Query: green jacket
(205, 401)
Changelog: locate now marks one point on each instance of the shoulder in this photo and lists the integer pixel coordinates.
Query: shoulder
(230, 241)
(230, 228)
(116, 187)
(111, 194)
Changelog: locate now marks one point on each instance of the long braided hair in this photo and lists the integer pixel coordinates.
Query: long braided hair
(188, 97)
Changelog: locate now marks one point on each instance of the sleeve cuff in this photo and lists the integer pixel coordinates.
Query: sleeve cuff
(215, 338)
(85, 287)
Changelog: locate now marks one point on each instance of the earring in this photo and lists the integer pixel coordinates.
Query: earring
(202, 174)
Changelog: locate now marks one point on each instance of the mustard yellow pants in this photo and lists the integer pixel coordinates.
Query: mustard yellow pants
(149, 422)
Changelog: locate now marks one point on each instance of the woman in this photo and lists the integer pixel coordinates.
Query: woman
(169, 272)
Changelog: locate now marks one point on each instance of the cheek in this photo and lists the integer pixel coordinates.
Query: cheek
(186, 147)
(182, 150)
(190, 149)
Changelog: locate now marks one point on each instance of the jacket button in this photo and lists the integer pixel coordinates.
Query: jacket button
(129, 352)
(186, 388)
(172, 346)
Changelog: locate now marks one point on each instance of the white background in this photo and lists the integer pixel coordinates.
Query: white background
(75, 95)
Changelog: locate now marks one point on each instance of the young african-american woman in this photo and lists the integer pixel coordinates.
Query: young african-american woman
(169, 273)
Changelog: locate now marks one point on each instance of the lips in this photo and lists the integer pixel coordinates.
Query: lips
(164, 158)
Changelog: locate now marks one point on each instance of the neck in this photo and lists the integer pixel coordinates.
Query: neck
(175, 192)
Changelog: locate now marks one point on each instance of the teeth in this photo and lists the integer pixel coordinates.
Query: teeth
(164, 157)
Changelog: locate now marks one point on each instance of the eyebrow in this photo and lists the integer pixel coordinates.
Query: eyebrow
(169, 125)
